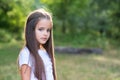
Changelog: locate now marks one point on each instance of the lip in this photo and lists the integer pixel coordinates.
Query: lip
(44, 39)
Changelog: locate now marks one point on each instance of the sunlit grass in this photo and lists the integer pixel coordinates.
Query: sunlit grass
(104, 66)
(9, 72)
(87, 67)
(8, 63)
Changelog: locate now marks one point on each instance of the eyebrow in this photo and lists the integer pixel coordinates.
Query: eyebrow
(45, 27)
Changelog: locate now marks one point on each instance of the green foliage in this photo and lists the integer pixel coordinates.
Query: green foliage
(69, 17)
(84, 15)
(83, 40)
(5, 36)
(13, 18)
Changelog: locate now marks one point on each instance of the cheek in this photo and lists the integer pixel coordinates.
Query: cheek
(48, 35)
(37, 34)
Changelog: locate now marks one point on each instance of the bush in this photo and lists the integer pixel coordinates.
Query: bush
(5, 36)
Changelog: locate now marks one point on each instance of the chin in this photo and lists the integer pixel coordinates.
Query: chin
(42, 42)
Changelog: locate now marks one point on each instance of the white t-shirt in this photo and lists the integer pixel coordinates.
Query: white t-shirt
(25, 58)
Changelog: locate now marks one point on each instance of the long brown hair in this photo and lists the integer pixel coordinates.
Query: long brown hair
(32, 43)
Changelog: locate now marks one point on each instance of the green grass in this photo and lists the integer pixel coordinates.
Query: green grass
(87, 67)
(69, 66)
(8, 63)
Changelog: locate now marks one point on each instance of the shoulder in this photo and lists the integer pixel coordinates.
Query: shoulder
(24, 52)
(24, 56)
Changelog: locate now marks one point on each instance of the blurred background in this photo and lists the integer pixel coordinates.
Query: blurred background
(77, 23)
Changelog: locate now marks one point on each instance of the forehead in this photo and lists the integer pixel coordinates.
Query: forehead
(44, 23)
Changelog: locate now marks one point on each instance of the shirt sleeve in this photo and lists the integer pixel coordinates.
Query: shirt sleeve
(24, 57)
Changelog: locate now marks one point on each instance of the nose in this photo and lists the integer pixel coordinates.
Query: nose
(45, 33)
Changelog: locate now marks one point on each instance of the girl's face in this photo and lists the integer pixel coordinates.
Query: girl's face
(42, 30)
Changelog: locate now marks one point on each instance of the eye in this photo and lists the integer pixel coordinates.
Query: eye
(48, 30)
(40, 29)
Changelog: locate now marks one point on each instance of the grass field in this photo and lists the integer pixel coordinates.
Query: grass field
(105, 66)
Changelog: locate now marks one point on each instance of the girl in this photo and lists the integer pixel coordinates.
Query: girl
(36, 59)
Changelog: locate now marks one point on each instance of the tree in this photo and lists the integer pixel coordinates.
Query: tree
(13, 14)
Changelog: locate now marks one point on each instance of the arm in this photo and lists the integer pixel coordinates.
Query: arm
(25, 72)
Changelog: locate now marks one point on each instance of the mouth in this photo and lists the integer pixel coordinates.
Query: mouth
(44, 39)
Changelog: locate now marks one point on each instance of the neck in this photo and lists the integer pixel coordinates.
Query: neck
(41, 47)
